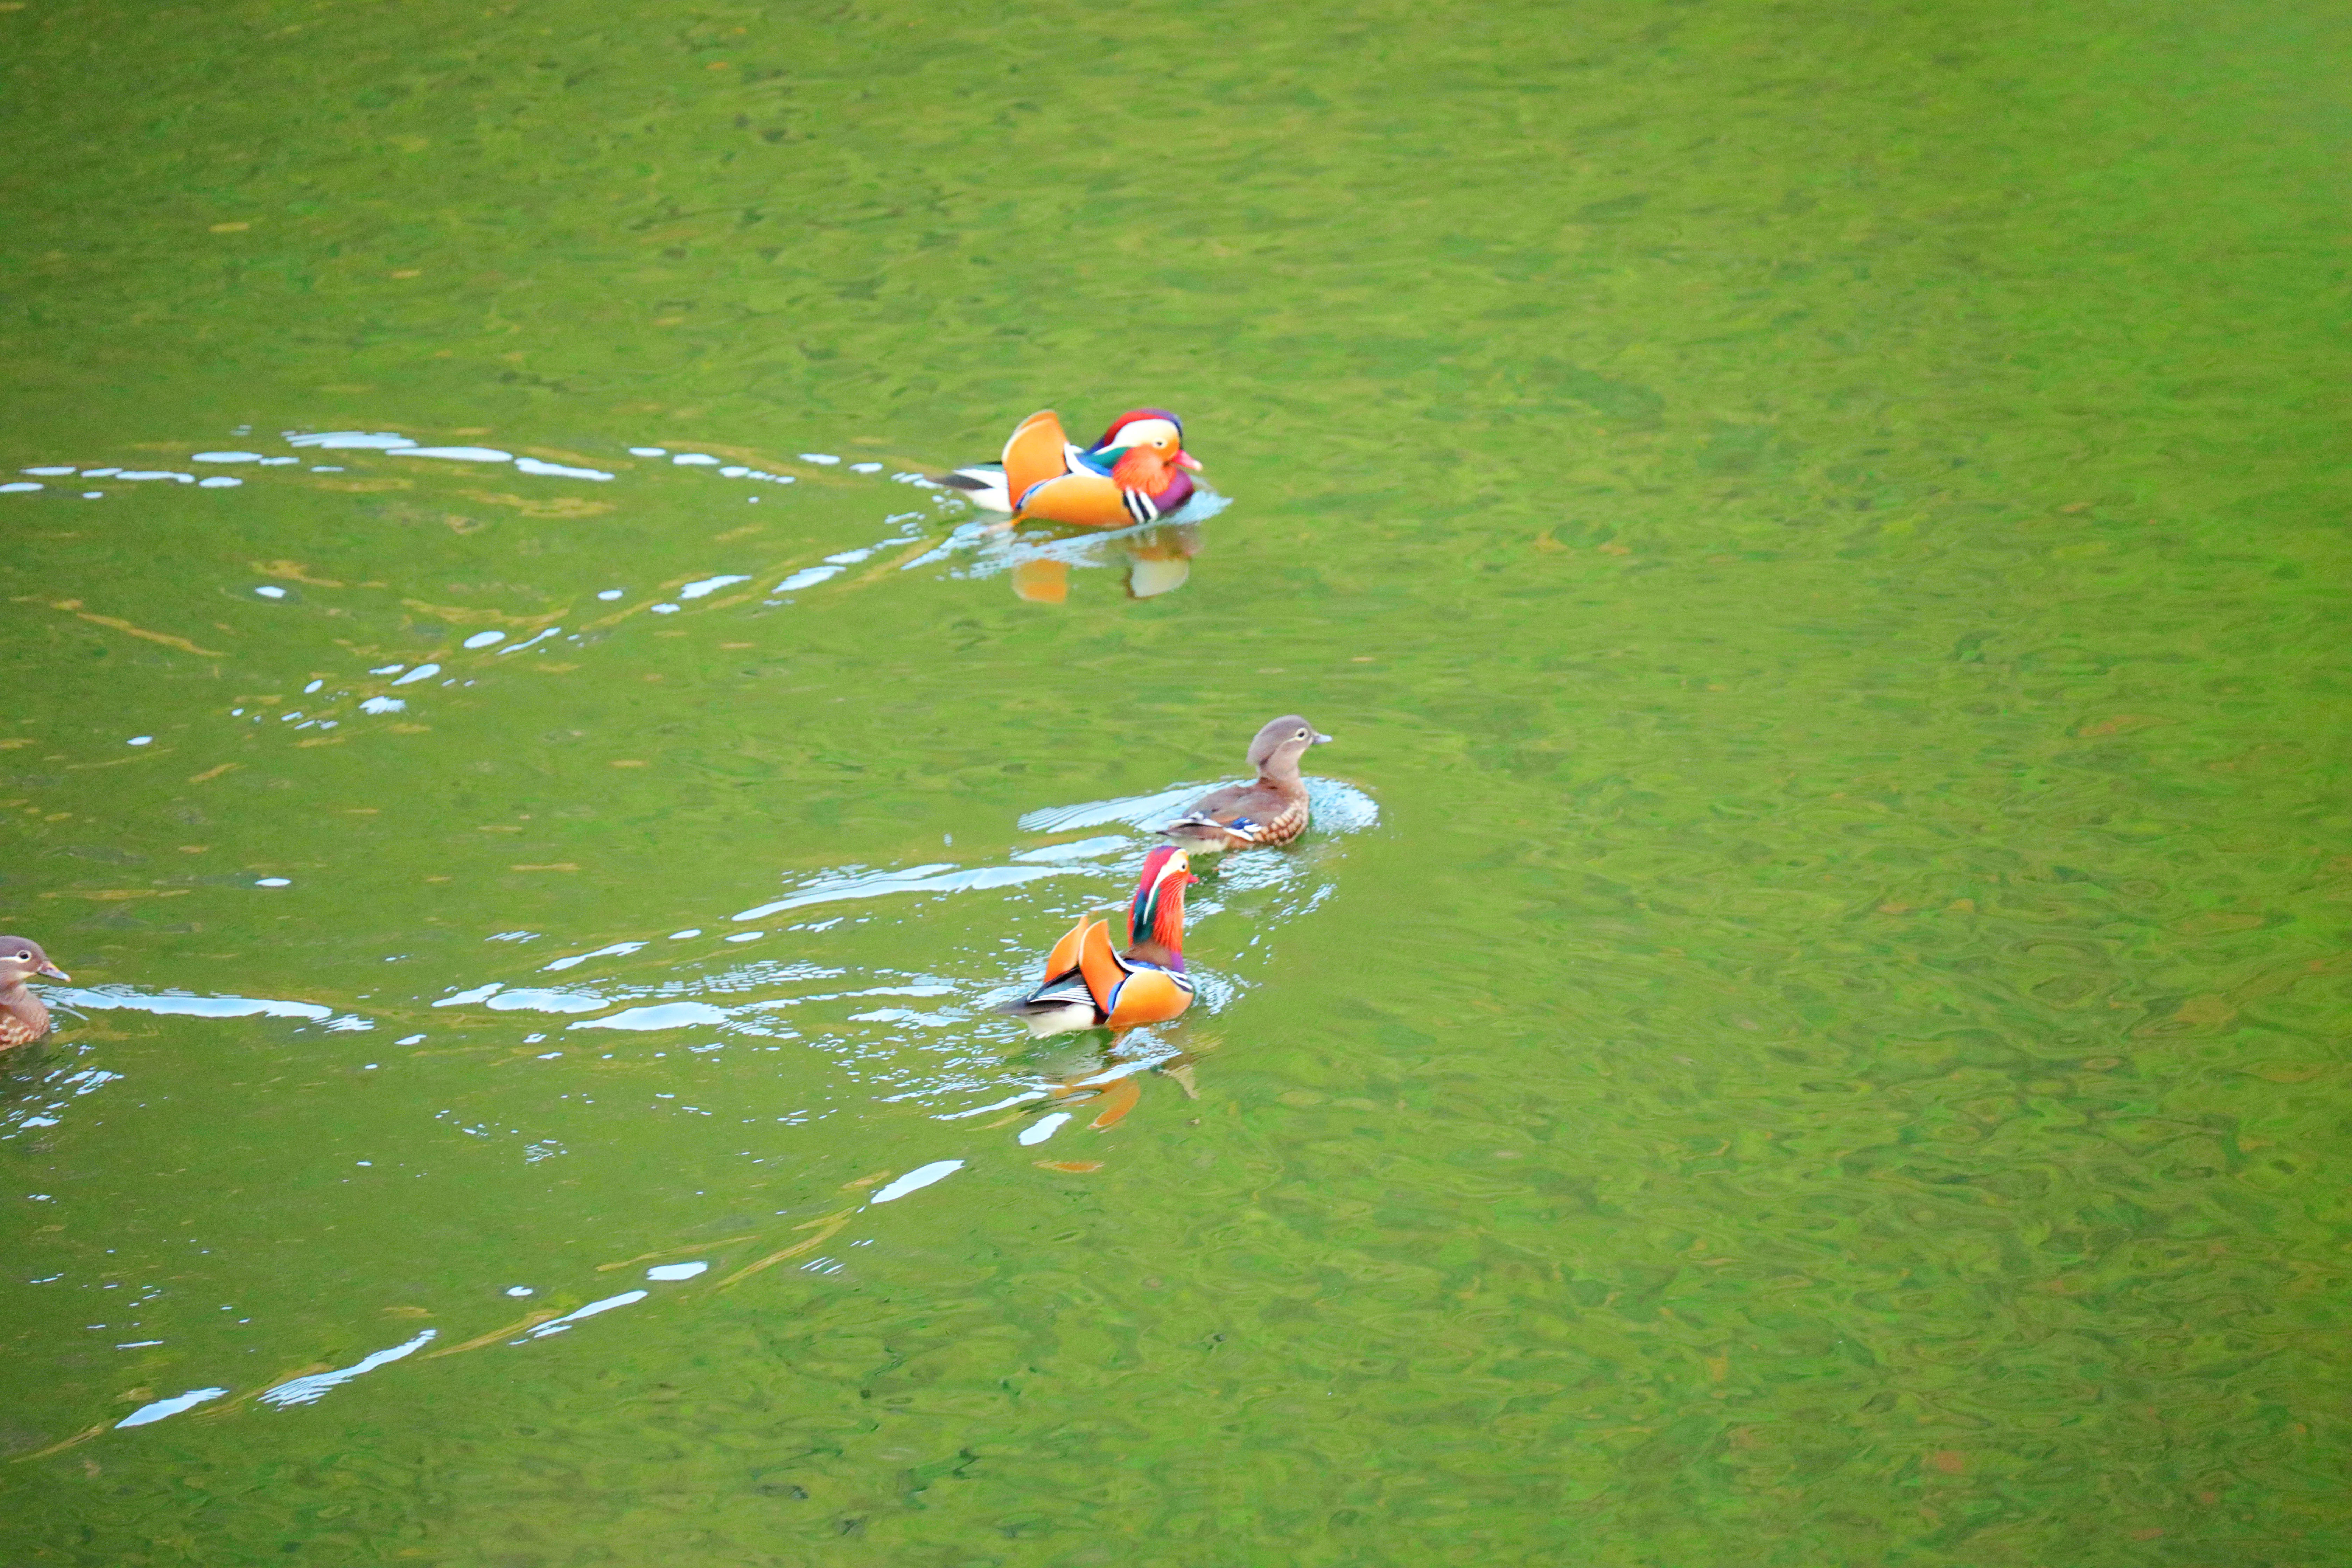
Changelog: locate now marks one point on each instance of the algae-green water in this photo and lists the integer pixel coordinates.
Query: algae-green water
(1810, 1029)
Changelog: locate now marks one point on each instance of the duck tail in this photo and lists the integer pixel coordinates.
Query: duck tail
(1056, 1007)
(982, 484)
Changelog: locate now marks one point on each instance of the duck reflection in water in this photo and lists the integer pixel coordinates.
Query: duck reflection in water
(1099, 1084)
(1158, 560)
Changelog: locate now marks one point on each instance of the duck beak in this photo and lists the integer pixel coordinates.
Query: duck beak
(1186, 459)
(52, 969)
(1321, 739)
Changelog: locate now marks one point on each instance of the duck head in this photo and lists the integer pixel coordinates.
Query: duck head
(1152, 430)
(1275, 751)
(21, 956)
(1157, 916)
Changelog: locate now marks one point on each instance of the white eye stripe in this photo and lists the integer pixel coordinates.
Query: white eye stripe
(1144, 433)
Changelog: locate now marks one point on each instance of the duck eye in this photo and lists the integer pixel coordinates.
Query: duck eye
(25, 956)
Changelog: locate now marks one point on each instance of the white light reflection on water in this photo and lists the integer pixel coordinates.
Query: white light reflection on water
(319, 1384)
(353, 441)
(614, 950)
(160, 1408)
(916, 1180)
(855, 883)
(183, 1005)
(456, 454)
(501, 1000)
(546, 1002)
(558, 470)
(1076, 849)
(89, 1081)
(1044, 1127)
(625, 1298)
(662, 1016)
(807, 577)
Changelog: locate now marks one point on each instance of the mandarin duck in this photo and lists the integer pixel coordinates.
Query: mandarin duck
(1090, 986)
(1135, 474)
(23, 1019)
(1270, 809)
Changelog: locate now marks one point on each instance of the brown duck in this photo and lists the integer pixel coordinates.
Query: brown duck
(1270, 809)
(23, 1019)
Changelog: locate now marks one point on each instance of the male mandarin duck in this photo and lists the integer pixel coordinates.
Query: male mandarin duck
(23, 1019)
(1270, 809)
(1089, 986)
(1136, 474)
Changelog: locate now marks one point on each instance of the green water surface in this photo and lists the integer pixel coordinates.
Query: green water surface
(1810, 1028)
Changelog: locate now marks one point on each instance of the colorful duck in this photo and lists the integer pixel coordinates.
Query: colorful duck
(23, 1019)
(1089, 986)
(1135, 474)
(1270, 809)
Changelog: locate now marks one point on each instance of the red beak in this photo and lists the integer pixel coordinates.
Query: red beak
(1186, 459)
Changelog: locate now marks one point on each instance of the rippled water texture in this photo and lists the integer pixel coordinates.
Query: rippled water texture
(1809, 1028)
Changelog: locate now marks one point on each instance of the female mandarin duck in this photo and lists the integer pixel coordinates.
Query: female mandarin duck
(1270, 809)
(23, 1019)
(1135, 474)
(1089, 986)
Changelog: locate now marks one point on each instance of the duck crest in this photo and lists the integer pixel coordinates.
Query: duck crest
(1157, 915)
(1134, 417)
